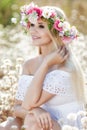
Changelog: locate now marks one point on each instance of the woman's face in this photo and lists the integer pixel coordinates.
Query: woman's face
(40, 34)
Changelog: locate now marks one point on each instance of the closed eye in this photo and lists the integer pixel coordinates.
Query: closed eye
(32, 25)
(41, 26)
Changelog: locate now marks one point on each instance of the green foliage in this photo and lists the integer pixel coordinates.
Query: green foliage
(67, 33)
(6, 11)
(50, 23)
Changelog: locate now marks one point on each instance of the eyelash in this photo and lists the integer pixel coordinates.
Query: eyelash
(32, 25)
(40, 26)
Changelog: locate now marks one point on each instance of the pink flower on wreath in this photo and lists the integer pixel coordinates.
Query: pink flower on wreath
(53, 15)
(66, 39)
(35, 9)
(57, 27)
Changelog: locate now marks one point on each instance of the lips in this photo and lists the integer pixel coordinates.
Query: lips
(35, 37)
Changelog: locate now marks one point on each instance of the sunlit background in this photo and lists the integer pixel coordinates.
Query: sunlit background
(15, 45)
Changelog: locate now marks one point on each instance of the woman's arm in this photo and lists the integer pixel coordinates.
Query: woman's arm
(18, 110)
(35, 89)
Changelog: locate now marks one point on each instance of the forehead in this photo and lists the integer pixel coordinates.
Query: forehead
(40, 21)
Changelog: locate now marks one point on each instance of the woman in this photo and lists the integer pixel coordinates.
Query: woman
(52, 81)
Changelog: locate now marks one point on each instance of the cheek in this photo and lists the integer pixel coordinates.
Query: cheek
(45, 36)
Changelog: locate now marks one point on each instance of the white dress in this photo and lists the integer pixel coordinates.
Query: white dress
(64, 102)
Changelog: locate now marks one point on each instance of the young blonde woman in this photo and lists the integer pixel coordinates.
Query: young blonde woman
(51, 85)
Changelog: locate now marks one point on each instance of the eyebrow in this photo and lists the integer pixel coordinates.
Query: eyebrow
(40, 23)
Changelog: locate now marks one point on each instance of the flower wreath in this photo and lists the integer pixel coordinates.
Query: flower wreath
(32, 13)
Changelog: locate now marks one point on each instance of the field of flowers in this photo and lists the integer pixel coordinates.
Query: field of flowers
(14, 50)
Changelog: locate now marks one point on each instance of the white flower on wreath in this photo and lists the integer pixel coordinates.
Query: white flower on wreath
(25, 8)
(30, 6)
(46, 13)
(23, 19)
(73, 31)
(33, 17)
(60, 24)
(61, 33)
(66, 26)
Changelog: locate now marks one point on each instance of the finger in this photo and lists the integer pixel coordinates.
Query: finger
(46, 121)
(39, 122)
(42, 122)
(50, 121)
(66, 56)
(59, 49)
(61, 54)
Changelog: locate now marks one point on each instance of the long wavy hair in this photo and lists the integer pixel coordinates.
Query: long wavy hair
(71, 62)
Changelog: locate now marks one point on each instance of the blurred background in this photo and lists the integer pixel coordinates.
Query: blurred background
(15, 47)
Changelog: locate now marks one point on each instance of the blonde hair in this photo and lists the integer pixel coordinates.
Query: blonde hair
(77, 76)
(71, 63)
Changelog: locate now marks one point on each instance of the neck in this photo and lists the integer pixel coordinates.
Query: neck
(47, 49)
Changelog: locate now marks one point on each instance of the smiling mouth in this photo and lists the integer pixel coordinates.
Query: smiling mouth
(35, 37)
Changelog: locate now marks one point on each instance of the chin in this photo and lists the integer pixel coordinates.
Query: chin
(37, 43)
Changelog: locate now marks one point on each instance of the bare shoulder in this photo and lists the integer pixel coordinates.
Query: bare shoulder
(30, 65)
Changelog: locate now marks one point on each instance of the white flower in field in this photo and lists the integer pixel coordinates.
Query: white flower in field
(14, 20)
(18, 68)
(66, 127)
(84, 122)
(7, 62)
(12, 72)
(72, 116)
(19, 59)
(3, 66)
(12, 78)
(75, 128)
(81, 113)
(14, 127)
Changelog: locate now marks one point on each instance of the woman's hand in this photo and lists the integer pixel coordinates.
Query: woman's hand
(57, 57)
(43, 118)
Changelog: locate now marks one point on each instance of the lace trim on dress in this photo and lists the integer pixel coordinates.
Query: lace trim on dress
(55, 82)
(58, 82)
